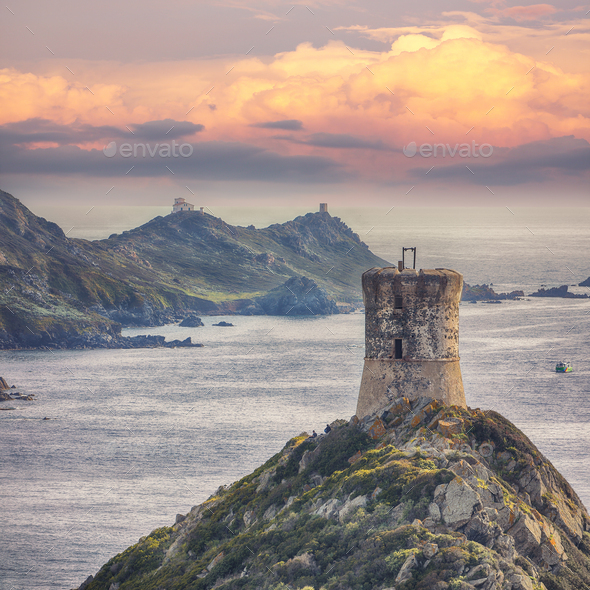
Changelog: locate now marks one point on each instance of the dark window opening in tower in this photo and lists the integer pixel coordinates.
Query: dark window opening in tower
(398, 302)
(397, 353)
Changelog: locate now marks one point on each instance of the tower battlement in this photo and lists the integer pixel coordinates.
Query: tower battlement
(438, 285)
(411, 337)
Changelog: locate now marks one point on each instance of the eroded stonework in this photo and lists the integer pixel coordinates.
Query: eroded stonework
(411, 337)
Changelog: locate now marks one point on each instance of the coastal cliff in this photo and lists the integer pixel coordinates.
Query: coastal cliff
(58, 291)
(420, 497)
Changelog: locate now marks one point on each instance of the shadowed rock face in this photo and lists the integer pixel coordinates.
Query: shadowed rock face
(396, 500)
(298, 296)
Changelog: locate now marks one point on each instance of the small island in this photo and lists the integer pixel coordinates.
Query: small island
(562, 292)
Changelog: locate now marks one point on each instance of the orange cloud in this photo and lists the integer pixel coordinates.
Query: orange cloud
(26, 95)
(447, 81)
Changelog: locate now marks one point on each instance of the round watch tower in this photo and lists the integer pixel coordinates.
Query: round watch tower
(411, 337)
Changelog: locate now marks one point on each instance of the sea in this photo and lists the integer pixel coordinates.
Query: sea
(135, 437)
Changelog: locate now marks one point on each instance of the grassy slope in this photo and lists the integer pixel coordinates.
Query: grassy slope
(208, 257)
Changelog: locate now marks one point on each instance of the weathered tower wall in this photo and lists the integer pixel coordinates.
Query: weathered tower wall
(411, 337)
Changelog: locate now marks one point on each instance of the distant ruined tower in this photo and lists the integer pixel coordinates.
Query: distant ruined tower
(411, 337)
(323, 207)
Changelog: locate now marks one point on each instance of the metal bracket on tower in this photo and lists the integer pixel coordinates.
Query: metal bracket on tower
(404, 257)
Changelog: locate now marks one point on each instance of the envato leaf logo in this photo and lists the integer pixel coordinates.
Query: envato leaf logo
(410, 149)
(110, 150)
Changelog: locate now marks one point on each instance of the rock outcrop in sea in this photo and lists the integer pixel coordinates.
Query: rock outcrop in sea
(421, 496)
(191, 321)
(12, 393)
(486, 293)
(558, 292)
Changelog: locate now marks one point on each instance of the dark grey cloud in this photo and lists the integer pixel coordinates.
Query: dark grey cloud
(213, 160)
(167, 130)
(42, 130)
(38, 130)
(287, 125)
(531, 162)
(338, 141)
(343, 141)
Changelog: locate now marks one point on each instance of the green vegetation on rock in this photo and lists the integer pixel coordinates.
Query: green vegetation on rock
(374, 506)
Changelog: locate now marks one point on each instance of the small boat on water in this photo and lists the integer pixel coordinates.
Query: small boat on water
(564, 367)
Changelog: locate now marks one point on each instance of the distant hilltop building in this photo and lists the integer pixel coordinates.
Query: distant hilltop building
(323, 207)
(181, 204)
(411, 337)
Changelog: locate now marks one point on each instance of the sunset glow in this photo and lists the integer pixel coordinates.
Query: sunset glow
(350, 106)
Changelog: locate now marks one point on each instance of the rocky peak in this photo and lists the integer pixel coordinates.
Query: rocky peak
(304, 233)
(418, 497)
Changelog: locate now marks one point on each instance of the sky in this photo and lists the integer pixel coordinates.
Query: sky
(426, 103)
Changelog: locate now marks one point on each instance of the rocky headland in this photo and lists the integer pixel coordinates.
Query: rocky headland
(72, 292)
(421, 496)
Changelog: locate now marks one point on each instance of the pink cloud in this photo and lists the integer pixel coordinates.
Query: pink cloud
(524, 13)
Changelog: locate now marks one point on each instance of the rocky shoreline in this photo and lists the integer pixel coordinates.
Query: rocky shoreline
(78, 341)
(297, 296)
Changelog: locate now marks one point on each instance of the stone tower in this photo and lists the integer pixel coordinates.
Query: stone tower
(411, 337)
